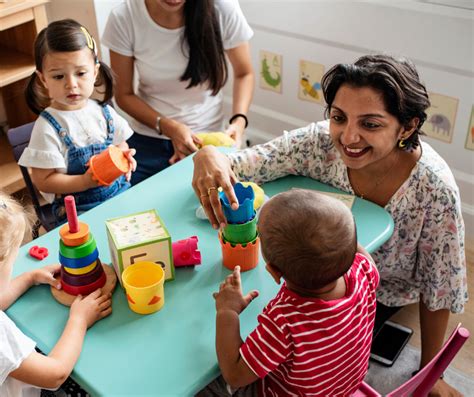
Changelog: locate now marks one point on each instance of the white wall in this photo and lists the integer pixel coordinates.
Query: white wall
(439, 39)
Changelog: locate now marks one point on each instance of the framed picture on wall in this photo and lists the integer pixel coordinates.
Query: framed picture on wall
(470, 132)
(309, 82)
(270, 71)
(441, 117)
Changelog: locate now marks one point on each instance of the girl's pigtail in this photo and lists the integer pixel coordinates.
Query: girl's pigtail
(105, 79)
(34, 95)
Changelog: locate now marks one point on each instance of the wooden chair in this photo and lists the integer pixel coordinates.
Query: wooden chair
(19, 138)
(421, 384)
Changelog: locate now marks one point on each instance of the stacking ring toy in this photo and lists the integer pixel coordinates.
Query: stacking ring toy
(84, 289)
(79, 251)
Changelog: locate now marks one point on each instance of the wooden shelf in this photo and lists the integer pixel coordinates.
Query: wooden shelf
(11, 179)
(14, 66)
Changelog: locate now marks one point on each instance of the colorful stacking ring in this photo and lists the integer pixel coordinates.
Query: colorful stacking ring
(81, 270)
(84, 289)
(83, 279)
(77, 238)
(79, 262)
(80, 251)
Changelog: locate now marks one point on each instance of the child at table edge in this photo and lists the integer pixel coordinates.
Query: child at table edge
(23, 371)
(315, 335)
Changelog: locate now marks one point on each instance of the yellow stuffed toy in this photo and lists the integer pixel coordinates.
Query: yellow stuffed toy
(215, 139)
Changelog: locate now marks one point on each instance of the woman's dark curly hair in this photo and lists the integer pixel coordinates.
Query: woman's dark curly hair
(404, 95)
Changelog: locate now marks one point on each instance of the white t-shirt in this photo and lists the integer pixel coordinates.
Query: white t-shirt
(15, 347)
(160, 62)
(85, 126)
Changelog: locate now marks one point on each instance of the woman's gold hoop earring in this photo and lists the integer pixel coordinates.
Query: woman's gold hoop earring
(402, 143)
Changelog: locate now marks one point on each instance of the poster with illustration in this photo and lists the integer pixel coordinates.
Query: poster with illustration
(470, 132)
(309, 83)
(441, 117)
(270, 71)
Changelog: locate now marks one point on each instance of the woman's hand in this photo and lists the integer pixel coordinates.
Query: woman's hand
(212, 169)
(183, 139)
(236, 132)
(442, 389)
(45, 275)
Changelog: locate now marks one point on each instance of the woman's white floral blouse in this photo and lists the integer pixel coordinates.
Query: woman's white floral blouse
(425, 254)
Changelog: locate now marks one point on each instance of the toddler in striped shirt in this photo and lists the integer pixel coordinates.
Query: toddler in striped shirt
(314, 337)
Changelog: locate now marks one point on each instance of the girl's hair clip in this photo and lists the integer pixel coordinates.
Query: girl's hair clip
(3, 205)
(90, 42)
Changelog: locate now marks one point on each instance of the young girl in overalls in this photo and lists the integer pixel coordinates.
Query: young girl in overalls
(72, 127)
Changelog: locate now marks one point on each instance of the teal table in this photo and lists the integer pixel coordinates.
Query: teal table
(171, 352)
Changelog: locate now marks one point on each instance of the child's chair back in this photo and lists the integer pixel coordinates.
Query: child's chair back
(421, 384)
(19, 138)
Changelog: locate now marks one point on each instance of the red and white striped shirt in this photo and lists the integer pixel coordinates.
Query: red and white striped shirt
(312, 347)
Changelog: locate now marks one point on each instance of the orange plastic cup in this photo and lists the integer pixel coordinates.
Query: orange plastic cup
(107, 166)
(244, 255)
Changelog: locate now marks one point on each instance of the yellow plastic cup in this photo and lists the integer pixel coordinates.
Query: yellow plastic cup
(143, 282)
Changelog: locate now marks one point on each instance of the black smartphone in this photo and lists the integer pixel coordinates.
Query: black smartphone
(389, 342)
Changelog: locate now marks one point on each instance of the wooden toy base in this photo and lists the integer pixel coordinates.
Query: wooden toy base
(67, 299)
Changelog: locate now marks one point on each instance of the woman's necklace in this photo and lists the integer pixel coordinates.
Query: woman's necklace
(377, 183)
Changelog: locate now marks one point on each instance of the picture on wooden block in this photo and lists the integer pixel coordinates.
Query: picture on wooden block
(470, 132)
(309, 83)
(441, 117)
(270, 71)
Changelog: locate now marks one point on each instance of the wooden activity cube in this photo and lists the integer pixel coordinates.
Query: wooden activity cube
(140, 237)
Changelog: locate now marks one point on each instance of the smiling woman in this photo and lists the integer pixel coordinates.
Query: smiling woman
(370, 147)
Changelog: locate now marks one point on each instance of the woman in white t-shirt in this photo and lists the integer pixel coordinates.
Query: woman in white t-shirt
(177, 50)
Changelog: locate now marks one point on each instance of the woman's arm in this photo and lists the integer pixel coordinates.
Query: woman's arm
(51, 181)
(184, 142)
(244, 82)
(130, 103)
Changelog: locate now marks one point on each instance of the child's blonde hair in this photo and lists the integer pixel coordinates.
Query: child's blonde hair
(15, 224)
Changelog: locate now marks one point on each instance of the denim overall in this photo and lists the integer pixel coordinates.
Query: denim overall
(77, 159)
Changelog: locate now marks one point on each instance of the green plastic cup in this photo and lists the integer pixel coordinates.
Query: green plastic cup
(241, 233)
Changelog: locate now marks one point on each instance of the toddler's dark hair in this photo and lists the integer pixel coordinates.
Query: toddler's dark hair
(309, 237)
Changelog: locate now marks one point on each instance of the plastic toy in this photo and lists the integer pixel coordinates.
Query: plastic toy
(143, 283)
(38, 252)
(140, 237)
(245, 197)
(82, 272)
(108, 165)
(245, 255)
(185, 252)
(258, 193)
(215, 139)
(239, 239)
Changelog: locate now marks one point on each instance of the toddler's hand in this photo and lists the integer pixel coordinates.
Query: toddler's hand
(230, 296)
(45, 275)
(92, 308)
(129, 153)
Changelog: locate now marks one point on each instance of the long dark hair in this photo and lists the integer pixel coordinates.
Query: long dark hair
(202, 33)
(66, 35)
(404, 95)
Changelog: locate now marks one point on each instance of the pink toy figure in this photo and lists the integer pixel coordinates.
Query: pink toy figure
(185, 252)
